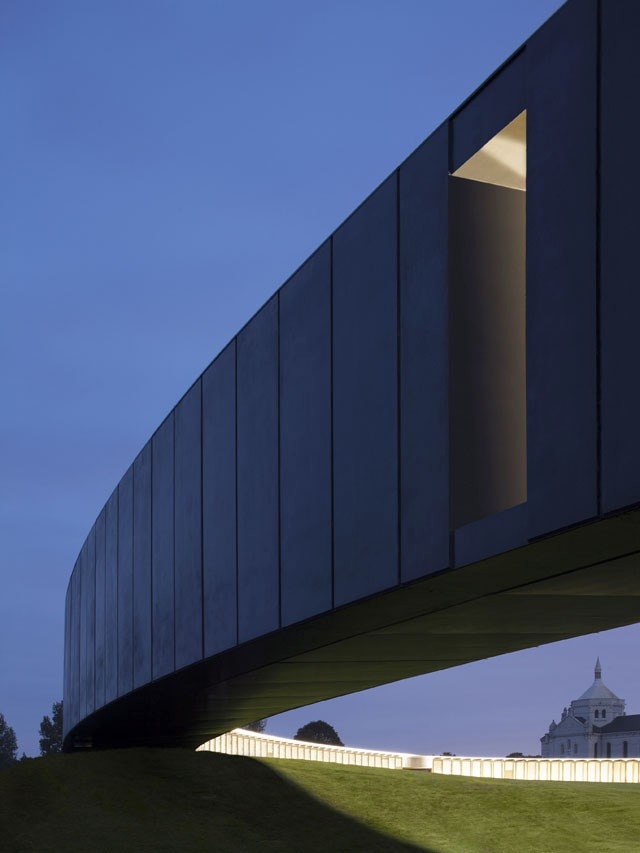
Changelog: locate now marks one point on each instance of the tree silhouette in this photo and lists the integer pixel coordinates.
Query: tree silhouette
(51, 731)
(256, 725)
(8, 744)
(318, 732)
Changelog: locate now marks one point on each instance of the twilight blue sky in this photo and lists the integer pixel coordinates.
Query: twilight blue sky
(165, 165)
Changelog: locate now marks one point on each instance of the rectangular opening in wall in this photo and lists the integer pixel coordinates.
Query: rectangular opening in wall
(487, 354)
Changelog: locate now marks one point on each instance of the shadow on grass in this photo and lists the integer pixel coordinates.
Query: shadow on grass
(170, 800)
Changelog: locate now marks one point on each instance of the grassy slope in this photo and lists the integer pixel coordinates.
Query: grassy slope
(175, 800)
(459, 814)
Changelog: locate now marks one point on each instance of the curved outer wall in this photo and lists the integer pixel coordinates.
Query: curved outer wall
(306, 474)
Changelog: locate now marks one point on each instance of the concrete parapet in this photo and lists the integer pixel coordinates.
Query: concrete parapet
(253, 744)
(258, 745)
(541, 769)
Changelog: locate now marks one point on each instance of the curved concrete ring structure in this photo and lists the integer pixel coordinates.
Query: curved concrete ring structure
(422, 451)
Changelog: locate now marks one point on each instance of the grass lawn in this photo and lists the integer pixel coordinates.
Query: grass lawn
(177, 800)
(454, 814)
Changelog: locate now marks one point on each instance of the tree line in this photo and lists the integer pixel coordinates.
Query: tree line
(50, 737)
(317, 731)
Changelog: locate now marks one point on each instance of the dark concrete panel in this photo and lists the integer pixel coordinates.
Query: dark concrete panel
(162, 560)
(493, 535)
(142, 567)
(84, 631)
(305, 439)
(76, 641)
(365, 398)
(66, 687)
(424, 359)
(258, 539)
(489, 111)
(125, 583)
(487, 376)
(89, 598)
(111, 599)
(69, 671)
(188, 527)
(219, 502)
(100, 607)
(620, 295)
(561, 269)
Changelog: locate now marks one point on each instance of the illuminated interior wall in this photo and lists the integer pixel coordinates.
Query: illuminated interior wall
(487, 210)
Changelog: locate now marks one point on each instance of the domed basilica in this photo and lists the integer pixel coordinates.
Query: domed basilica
(594, 726)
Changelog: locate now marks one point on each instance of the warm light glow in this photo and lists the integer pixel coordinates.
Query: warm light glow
(503, 160)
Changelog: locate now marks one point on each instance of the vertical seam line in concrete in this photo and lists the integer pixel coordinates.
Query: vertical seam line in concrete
(117, 585)
(104, 614)
(104, 605)
(598, 260)
(237, 525)
(152, 560)
(331, 423)
(95, 607)
(279, 485)
(79, 700)
(151, 656)
(398, 386)
(202, 607)
(133, 569)
(173, 520)
(65, 670)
